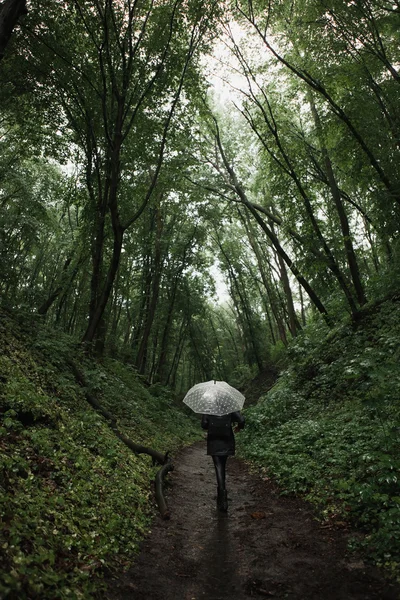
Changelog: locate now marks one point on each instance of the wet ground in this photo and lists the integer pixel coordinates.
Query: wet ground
(266, 546)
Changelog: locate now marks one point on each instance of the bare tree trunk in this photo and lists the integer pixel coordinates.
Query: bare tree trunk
(94, 322)
(143, 304)
(99, 300)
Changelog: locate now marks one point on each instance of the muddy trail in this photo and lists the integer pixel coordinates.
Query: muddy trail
(266, 546)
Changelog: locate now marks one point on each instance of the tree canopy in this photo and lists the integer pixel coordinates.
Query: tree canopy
(126, 182)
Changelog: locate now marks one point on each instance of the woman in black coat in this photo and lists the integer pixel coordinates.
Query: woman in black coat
(220, 445)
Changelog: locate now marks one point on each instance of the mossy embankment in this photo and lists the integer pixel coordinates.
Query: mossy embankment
(330, 427)
(74, 500)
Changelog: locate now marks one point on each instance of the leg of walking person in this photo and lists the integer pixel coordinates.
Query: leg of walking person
(220, 467)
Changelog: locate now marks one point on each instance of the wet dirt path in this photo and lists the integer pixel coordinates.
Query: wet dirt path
(267, 546)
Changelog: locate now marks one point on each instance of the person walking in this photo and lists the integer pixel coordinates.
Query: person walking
(220, 445)
(220, 404)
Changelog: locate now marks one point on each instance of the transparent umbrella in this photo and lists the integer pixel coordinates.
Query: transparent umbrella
(214, 398)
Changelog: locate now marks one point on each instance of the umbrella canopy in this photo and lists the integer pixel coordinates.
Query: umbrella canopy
(214, 398)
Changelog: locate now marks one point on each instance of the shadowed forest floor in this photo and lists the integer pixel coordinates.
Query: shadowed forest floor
(267, 546)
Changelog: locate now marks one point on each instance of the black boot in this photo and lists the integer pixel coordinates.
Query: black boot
(222, 500)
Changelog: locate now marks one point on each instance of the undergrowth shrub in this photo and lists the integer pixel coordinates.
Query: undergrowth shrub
(330, 427)
(74, 500)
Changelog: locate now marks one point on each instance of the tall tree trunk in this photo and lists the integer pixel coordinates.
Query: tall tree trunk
(246, 310)
(267, 311)
(98, 312)
(115, 315)
(162, 359)
(128, 326)
(178, 352)
(110, 199)
(265, 279)
(141, 358)
(143, 304)
(98, 195)
(293, 322)
(240, 192)
(337, 199)
(303, 313)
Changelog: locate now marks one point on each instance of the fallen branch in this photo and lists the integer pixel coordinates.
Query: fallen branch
(162, 505)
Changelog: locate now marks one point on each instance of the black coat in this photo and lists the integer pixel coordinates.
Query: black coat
(220, 437)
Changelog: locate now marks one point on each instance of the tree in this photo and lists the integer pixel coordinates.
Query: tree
(116, 72)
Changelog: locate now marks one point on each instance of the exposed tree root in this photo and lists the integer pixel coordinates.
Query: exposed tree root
(162, 505)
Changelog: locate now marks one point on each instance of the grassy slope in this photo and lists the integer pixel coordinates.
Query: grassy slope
(330, 427)
(74, 500)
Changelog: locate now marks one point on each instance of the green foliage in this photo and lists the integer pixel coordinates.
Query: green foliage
(242, 375)
(278, 354)
(329, 429)
(74, 500)
(157, 422)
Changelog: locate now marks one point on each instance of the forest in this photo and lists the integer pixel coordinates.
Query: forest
(194, 190)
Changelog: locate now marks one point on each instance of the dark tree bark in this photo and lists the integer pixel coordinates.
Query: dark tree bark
(303, 312)
(112, 271)
(293, 322)
(145, 287)
(10, 12)
(160, 374)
